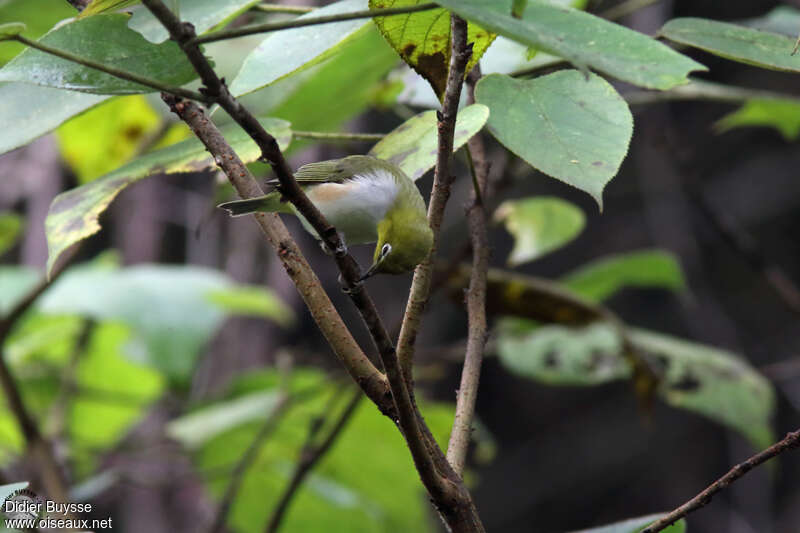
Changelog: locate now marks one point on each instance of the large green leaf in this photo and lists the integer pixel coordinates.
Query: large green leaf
(289, 51)
(539, 225)
(73, 216)
(412, 145)
(583, 39)
(713, 382)
(366, 481)
(104, 39)
(600, 279)
(783, 115)
(423, 40)
(31, 111)
(104, 138)
(746, 45)
(169, 309)
(782, 19)
(635, 525)
(202, 14)
(553, 122)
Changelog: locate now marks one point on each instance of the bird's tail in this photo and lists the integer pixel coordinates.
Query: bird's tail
(269, 203)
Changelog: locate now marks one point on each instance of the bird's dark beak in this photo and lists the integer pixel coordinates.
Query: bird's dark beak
(371, 271)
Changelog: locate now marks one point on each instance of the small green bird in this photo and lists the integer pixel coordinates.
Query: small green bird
(367, 200)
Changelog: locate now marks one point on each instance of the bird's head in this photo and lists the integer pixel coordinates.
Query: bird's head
(404, 241)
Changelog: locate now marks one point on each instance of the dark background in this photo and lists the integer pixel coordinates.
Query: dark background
(567, 458)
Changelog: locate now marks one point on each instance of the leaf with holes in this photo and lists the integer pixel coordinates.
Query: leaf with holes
(74, 214)
(413, 145)
(539, 225)
(104, 39)
(583, 39)
(553, 123)
(423, 40)
(737, 43)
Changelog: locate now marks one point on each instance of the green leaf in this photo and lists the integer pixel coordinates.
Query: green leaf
(737, 43)
(561, 355)
(539, 225)
(423, 40)
(11, 29)
(583, 39)
(198, 427)
(104, 372)
(202, 14)
(783, 115)
(413, 144)
(293, 50)
(713, 382)
(104, 138)
(96, 7)
(600, 279)
(635, 525)
(552, 123)
(381, 495)
(104, 39)
(73, 215)
(10, 228)
(32, 111)
(252, 300)
(169, 309)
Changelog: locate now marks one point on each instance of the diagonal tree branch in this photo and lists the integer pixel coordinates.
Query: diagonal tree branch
(476, 298)
(791, 441)
(442, 180)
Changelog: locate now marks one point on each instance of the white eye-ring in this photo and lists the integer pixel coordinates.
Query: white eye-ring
(386, 249)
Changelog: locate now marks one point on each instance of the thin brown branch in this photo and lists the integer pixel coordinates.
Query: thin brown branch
(310, 21)
(250, 455)
(442, 181)
(791, 441)
(475, 299)
(310, 455)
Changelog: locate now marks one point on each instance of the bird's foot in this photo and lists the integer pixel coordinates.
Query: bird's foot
(354, 289)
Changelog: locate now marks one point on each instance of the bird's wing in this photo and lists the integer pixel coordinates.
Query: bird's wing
(333, 171)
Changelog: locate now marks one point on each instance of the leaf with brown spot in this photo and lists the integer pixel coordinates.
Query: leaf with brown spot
(422, 39)
(74, 215)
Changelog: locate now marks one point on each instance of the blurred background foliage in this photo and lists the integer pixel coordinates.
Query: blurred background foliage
(174, 343)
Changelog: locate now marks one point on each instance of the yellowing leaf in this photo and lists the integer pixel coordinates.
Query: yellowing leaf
(423, 40)
(96, 7)
(106, 137)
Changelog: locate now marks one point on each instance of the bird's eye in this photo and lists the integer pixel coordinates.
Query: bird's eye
(386, 249)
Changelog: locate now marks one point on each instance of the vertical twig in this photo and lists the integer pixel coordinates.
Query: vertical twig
(442, 180)
(475, 298)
